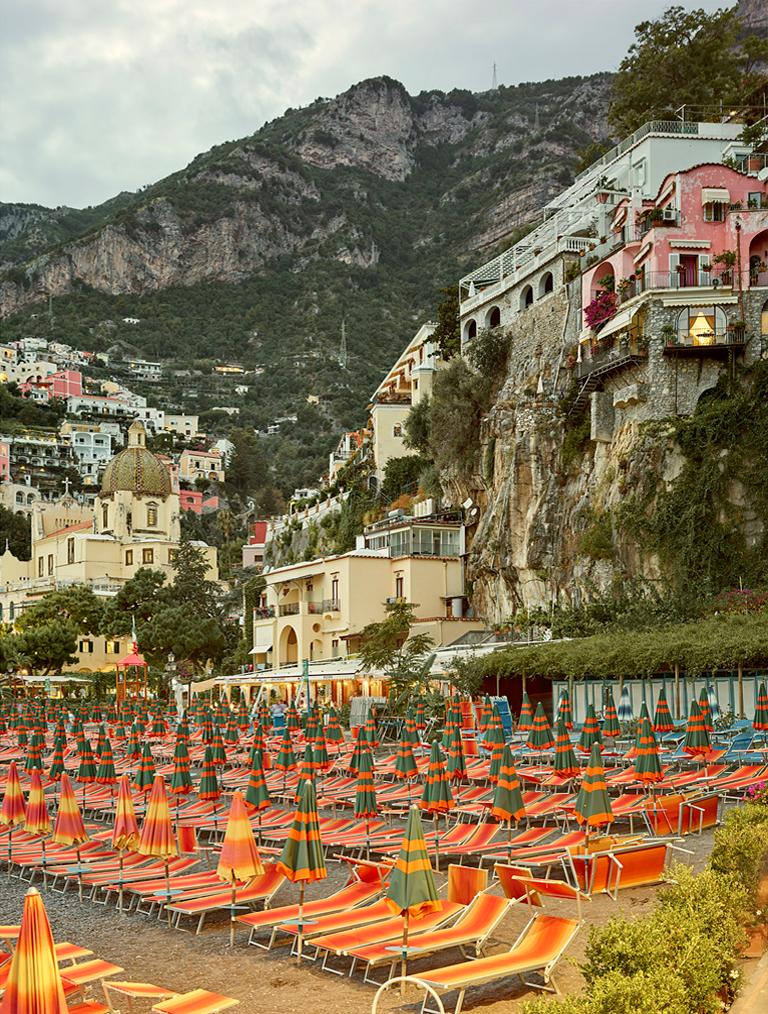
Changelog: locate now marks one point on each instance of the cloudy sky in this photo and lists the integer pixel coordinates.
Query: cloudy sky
(99, 96)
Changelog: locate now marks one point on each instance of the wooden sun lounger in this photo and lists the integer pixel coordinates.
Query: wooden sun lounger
(538, 949)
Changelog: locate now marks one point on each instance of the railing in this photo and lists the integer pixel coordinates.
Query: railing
(264, 612)
(751, 163)
(612, 351)
(290, 609)
(672, 280)
(324, 606)
(732, 335)
(652, 127)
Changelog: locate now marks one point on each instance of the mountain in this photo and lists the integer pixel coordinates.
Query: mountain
(358, 208)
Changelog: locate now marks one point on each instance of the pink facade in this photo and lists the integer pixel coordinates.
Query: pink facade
(5, 461)
(192, 500)
(707, 227)
(62, 384)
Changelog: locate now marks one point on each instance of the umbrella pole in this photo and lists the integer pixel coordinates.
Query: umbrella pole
(168, 892)
(301, 928)
(45, 873)
(79, 875)
(404, 956)
(367, 837)
(258, 820)
(120, 885)
(437, 842)
(232, 916)
(10, 848)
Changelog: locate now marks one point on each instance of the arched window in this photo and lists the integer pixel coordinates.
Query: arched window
(471, 329)
(151, 515)
(546, 284)
(104, 516)
(19, 497)
(494, 316)
(526, 297)
(30, 497)
(701, 325)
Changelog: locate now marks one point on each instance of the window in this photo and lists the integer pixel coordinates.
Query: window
(334, 590)
(494, 317)
(701, 325)
(86, 647)
(147, 556)
(19, 498)
(152, 515)
(111, 647)
(50, 563)
(639, 172)
(714, 212)
(40, 566)
(11, 611)
(471, 329)
(105, 516)
(397, 430)
(400, 543)
(399, 586)
(129, 557)
(526, 297)
(334, 649)
(70, 550)
(435, 542)
(172, 554)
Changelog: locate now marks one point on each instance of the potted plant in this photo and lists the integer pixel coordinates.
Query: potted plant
(669, 334)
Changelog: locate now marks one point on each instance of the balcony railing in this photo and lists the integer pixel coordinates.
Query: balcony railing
(719, 338)
(689, 279)
(612, 354)
(289, 609)
(324, 606)
(264, 612)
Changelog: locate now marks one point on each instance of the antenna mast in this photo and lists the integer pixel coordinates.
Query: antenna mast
(495, 81)
(343, 344)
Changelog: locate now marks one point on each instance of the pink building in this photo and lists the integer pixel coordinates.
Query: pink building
(253, 550)
(192, 500)
(62, 384)
(5, 461)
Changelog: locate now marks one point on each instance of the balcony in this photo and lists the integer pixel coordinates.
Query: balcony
(651, 280)
(289, 609)
(324, 606)
(611, 355)
(719, 343)
(264, 612)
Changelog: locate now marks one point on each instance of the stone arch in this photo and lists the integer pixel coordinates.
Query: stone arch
(758, 258)
(546, 284)
(526, 297)
(288, 653)
(493, 317)
(470, 329)
(601, 274)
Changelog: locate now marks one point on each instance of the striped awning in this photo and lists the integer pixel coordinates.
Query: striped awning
(715, 195)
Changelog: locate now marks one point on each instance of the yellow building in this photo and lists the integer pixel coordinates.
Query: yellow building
(134, 523)
(317, 610)
(207, 465)
(406, 383)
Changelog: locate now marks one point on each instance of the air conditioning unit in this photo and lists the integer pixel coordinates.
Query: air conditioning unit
(669, 215)
(391, 599)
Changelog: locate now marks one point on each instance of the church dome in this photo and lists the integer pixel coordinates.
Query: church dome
(136, 469)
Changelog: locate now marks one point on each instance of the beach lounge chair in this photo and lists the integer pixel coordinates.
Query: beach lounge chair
(197, 1001)
(538, 949)
(263, 888)
(608, 870)
(143, 991)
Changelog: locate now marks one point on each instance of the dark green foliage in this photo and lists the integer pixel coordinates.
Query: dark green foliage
(685, 57)
(15, 530)
(446, 335)
(77, 605)
(597, 540)
(18, 413)
(401, 476)
(460, 398)
(416, 427)
(247, 470)
(488, 352)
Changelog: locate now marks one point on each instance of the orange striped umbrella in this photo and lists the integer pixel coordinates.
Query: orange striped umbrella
(647, 764)
(12, 812)
(157, 837)
(696, 735)
(593, 806)
(125, 833)
(34, 982)
(540, 736)
(302, 858)
(239, 858)
(69, 828)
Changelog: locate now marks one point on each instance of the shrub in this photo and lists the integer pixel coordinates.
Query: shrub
(741, 845)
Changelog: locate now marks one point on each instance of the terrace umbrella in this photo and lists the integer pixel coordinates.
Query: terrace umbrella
(257, 793)
(22, 740)
(410, 732)
(525, 723)
(38, 820)
(564, 708)
(405, 765)
(181, 779)
(286, 758)
(456, 764)
(119, 734)
(86, 771)
(239, 858)
(647, 763)
(365, 797)
(69, 829)
(437, 797)
(242, 716)
(611, 725)
(209, 785)
(662, 719)
(625, 705)
(292, 723)
(157, 838)
(106, 774)
(333, 731)
(306, 770)
(370, 731)
(421, 720)
(590, 732)
(301, 860)
(696, 735)
(507, 798)
(134, 744)
(34, 759)
(494, 741)
(218, 752)
(232, 735)
(706, 714)
(540, 737)
(565, 763)
(593, 807)
(412, 888)
(34, 983)
(57, 760)
(311, 725)
(320, 752)
(13, 811)
(145, 773)
(361, 744)
(760, 720)
(125, 833)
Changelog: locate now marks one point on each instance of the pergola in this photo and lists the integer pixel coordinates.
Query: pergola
(131, 676)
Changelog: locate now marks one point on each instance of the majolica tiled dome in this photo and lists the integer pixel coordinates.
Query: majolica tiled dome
(136, 469)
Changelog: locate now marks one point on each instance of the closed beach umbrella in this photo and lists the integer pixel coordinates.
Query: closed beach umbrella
(125, 831)
(405, 764)
(256, 793)
(57, 760)
(181, 779)
(507, 799)
(564, 708)
(437, 797)
(760, 720)
(704, 709)
(38, 820)
(456, 763)
(145, 773)
(565, 763)
(696, 734)
(540, 737)
(13, 811)
(333, 731)
(239, 859)
(106, 774)
(412, 890)
(590, 732)
(647, 763)
(593, 806)
(34, 983)
(292, 723)
(157, 838)
(69, 829)
(302, 859)
(526, 714)
(34, 761)
(365, 796)
(625, 705)
(611, 725)
(285, 760)
(421, 715)
(410, 732)
(662, 718)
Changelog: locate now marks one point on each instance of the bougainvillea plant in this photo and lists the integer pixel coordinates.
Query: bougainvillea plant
(601, 309)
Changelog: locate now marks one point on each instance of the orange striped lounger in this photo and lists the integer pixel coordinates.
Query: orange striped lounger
(263, 889)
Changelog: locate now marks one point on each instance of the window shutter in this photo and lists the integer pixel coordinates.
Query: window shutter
(674, 277)
(704, 276)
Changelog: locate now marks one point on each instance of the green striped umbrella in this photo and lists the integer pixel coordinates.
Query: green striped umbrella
(145, 773)
(257, 794)
(361, 744)
(611, 725)
(181, 779)
(34, 759)
(705, 709)
(525, 724)
(57, 760)
(760, 721)
(412, 890)
(437, 797)
(410, 732)
(647, 764)
(242, 716)
(106, 775)
(134, 745)
(218, 752)
(590, 732)
(311, 725)
(86, 771)
(456, 764)
(370, 731)
(333, 731)
(301, 860)
(286, 758)
(696, 734)
(540, 736)
(593, 806)
(320, 751)
(564, 708)
(232, 735)
(209, 781)
(662, 719)
(483, 712)
(565, 763)
(365, 796)
(119, 733)
(306, 771)
(507, 798)
(292, 719)
(405, 765)
(421, 715)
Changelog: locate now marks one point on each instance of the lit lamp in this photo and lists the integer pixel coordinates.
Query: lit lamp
(701, 331)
